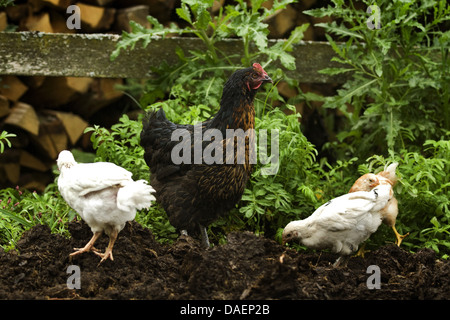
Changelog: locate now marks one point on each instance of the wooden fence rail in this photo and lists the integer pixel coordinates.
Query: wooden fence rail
(88, 55)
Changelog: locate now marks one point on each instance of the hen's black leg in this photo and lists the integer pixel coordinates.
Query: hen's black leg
(205, 239)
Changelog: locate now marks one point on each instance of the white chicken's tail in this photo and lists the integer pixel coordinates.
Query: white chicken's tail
(382, 195)
(135, 195)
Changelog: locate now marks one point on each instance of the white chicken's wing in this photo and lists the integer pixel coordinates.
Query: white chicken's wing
(104, 195)
(342, 223)
(91, 177)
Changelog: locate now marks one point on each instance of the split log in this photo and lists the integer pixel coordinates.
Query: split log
(4, 106)
(61, 4)
(302, 18)
(59, 22)
(96, 18)
(22, 115)
(284, 21)
(12, 88)
(286, 90)
(102, 93)
(17, 12)
(52, 138)
(35, 5)
(10, 167)
(289, 92)
(217, 4)
(57, 91)
(100, 3)
(33, 82)
(138, 14)
(12, 171)
(39, 22)
(34, 181)
(3, 21)
(160, 9)
(319, 33)
(73, 124)
(306, 4)
(30, 161)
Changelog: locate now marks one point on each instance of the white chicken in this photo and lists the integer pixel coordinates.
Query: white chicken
(342, 223)
(386, 177)
(104, 195)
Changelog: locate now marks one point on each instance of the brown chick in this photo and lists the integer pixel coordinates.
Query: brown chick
(389, 213)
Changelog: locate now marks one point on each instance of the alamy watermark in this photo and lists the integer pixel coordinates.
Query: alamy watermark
(374, 280)
(374, 21)
(74, 20)
(239, 145)
(74, 280)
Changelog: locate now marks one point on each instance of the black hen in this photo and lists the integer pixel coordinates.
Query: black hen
(194, 192)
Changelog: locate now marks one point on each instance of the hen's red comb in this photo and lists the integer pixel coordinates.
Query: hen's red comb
(258, 67)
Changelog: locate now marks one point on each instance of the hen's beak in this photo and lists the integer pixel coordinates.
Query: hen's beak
(267, 78)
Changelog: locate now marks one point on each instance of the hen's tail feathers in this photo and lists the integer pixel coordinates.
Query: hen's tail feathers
(151, 126)
(135, 195)
(151, 116)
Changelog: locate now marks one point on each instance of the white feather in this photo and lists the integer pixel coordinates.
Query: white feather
(342, 223)
(103, 194)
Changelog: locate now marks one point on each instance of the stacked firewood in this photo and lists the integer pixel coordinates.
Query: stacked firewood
(49, 114)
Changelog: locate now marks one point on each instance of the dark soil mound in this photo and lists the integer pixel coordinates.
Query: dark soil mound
(247, 267)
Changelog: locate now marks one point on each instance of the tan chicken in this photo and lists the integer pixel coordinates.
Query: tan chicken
(369, 181)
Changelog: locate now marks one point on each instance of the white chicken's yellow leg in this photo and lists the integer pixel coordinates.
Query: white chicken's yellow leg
(108, 252)
(89, 246)
(362, 251)
(399, 236)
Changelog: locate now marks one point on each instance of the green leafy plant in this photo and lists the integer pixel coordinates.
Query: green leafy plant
(5, 3)
(197, 80)
(397, 95)
(120, 145)
(4, 138)
(395, 104)
(22, 209)
(423, 192)
(273, 199)
(385, 103)
(199, 76)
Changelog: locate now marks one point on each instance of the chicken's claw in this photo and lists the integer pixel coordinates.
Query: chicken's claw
(88, 247)
(107, 254)
(399, 236)
(83, 250)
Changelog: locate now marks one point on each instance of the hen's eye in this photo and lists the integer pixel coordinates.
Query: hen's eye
(254, 75)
